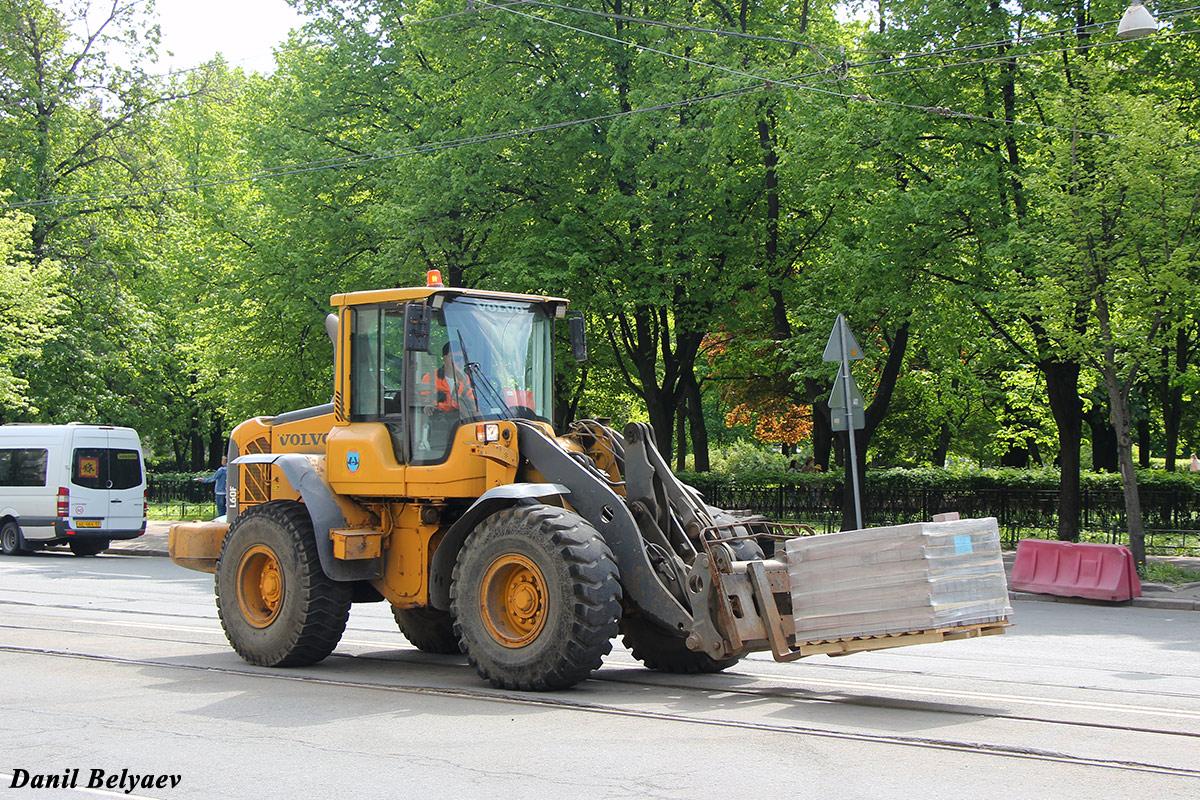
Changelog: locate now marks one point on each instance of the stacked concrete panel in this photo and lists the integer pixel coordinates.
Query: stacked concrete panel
(898, 579)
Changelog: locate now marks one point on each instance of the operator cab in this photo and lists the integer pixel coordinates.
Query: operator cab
(426, 366)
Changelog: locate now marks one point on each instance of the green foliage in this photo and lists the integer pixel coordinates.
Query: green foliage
(744, 458)
(30, 311)
(710, 224)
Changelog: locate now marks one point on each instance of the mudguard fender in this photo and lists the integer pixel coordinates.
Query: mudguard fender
(442, 567)
(323, 510)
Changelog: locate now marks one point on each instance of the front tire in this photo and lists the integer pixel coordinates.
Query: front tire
(276, 605)
(535, 598)
(10, 539)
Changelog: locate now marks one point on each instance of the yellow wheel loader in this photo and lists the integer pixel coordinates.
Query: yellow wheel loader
(434, 481)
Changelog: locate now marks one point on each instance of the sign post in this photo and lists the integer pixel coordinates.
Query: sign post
(846, 408)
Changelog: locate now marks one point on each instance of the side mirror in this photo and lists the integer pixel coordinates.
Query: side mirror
(416, 327)
(578, 337)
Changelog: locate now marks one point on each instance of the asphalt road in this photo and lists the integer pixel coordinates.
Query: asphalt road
(119, 663)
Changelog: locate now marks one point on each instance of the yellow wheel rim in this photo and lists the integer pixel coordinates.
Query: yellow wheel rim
(513, 600)
(260, 586)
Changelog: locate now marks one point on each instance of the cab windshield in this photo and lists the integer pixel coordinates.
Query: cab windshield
(487, 359)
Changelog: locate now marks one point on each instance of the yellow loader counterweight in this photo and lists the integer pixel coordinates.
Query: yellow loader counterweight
(435, 481)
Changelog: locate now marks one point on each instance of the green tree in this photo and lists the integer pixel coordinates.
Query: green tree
(30, 311)
(1121, 218)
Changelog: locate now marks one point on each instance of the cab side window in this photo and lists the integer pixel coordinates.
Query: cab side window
(366, 397)
(377, 362)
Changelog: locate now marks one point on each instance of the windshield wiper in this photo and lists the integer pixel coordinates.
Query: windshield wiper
(478, 379)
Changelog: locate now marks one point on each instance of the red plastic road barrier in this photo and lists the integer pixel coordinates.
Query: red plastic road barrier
(1097, 571)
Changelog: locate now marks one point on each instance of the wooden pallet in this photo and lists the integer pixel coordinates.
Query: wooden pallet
(859, 644)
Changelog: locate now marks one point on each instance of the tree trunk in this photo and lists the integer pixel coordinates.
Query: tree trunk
(822, 435)
(1123, 426)
(1143, 438)
(216, 443)
(697, 429)
(681, 413)
(196, 442)
(1062, 387)
(1172, 397)
(1104, 440)
(945, 436)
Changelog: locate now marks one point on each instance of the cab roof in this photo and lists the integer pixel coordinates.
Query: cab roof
(401, 295)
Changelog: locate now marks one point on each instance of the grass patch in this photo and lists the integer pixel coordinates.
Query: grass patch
(1161, 572)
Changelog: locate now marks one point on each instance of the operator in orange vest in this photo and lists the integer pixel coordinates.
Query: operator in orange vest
(450, 384)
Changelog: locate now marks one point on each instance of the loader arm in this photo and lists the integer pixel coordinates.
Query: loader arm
(593, 499)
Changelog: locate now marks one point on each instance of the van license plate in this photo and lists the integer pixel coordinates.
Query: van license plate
(87, 523)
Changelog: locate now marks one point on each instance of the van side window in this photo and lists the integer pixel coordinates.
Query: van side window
(23, 467)
(104, 468)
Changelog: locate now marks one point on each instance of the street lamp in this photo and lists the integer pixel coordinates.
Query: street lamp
(1137, 22)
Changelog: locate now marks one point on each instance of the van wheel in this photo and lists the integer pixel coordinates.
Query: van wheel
(10, 539)
(535, 598)
(89, 547)
(277, 606)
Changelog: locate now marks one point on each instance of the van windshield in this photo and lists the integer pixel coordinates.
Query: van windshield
(106, 468)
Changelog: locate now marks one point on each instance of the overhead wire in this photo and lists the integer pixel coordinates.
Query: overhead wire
(793, 84)
(761, 84)
(175, 73)
(367, 158)
(1010, 41)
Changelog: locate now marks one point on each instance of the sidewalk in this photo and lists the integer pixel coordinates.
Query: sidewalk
(1154, 595)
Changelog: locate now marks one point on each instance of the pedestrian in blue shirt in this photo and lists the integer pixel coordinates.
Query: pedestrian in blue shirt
(217, 479)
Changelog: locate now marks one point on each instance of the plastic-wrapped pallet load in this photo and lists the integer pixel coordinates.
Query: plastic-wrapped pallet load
(898, 579)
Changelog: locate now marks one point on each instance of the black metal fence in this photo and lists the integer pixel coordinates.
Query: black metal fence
(1171, 518)
(184, 498)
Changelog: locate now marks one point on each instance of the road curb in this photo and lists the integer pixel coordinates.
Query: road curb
(133, 551)
(1137, 602)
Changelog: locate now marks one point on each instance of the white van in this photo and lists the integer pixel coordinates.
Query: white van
(80, 484)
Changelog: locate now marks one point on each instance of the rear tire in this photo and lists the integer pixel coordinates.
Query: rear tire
(10, 539)
(660, 651)
(535, 598)
(277, 607)
(430, 630)
(89, 547)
